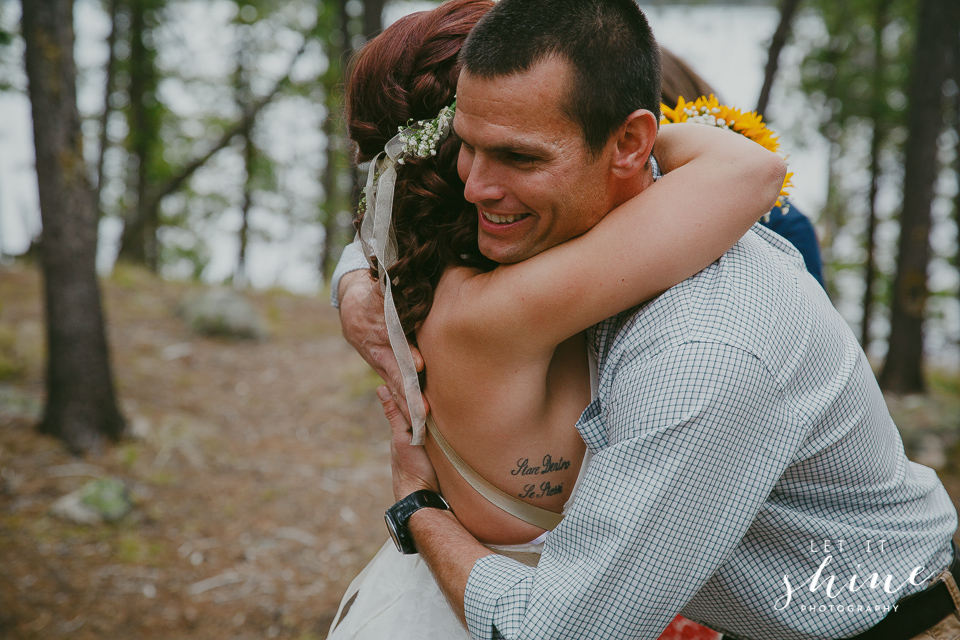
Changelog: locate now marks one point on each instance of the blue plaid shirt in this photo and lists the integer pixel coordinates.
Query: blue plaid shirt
(740, 445)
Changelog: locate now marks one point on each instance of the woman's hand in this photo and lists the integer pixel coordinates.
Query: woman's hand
(412, 469)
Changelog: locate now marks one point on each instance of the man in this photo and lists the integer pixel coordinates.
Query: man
(746, 472)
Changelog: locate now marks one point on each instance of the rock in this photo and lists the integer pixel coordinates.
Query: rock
(140, 428)
(17, 404)
(104, 499)
(297, 535)
(177, 351)
(222, 312)
(70, 507)
(108, 497)
(75, 469)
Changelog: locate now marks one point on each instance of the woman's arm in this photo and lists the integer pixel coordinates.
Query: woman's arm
(719, 184)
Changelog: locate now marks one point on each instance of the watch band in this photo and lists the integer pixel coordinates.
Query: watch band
(397, 517)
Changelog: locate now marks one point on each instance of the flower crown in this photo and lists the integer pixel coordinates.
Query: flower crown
(417, 140)
(709, 111)
(420, 140)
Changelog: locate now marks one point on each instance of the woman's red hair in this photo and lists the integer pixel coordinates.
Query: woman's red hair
(409, 72)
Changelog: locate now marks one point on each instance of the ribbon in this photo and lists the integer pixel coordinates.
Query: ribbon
(378, 241)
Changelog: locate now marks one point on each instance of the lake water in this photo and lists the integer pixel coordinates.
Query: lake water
(727, 45)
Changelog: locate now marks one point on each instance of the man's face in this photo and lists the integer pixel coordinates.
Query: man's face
(525, 163)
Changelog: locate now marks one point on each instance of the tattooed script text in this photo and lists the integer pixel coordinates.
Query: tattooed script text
(545, 489)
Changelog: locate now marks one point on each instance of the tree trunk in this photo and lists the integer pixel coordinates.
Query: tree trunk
(938, 20)
(832, 218)
(372, 18)
(240, 278)
(138, 244)
(788, 8)
(110, 70)
(876, 144)
(244, 98)
(331, 200)
(956, 158)
(81, 407)
(337, 231)
(870, 262)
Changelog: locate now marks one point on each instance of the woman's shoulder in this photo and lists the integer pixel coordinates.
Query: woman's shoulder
(467, 319)
(449, 313)
(485, 311)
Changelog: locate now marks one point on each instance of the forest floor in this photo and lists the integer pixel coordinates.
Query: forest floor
(259, 472)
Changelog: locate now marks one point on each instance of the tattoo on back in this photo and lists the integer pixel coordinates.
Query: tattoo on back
(548, 466)
(545, 489)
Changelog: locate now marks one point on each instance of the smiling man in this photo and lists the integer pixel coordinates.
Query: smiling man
(736, 422)
(526, 167)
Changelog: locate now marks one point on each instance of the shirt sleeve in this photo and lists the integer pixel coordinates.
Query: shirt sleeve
(695, 443)
(351, 259)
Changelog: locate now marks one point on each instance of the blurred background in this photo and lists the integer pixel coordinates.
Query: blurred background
(230, 464)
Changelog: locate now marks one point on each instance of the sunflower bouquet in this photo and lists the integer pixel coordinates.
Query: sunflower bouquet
(709, 111)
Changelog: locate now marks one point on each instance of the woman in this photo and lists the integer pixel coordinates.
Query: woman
(507, 360)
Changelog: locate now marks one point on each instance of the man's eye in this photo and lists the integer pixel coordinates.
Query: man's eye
(519, 158)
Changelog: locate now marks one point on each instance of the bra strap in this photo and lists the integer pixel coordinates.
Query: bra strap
(516, 507)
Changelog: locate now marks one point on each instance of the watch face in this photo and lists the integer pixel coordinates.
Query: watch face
(392, 528)
(399, 514)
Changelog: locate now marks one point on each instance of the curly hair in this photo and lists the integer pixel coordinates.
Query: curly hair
(409, 72)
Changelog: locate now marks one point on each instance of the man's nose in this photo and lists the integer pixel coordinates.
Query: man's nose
(483, 182)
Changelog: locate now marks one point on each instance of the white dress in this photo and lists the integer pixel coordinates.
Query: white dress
(397, 597)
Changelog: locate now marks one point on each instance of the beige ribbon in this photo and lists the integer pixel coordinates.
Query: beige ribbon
(378, 240)
(529, 513)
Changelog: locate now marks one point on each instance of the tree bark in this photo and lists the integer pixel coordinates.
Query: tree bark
(788, 8)
(138, 244)
(336, 233)
(956, 158)
(110, 72)
(240, 279)
(938, 21)
(81, 406)
(372, 18)
(331, 199)
(244, 97)
(876, 145)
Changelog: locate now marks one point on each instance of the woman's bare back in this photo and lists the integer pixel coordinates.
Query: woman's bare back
(510, 416)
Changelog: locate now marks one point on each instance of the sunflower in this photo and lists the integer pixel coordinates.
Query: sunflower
(709, 111)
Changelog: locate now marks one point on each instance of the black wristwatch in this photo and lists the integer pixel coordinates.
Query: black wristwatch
(398, 517)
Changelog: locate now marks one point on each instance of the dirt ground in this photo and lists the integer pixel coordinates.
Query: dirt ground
(259, 472)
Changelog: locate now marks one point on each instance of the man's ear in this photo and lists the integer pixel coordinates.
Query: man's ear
(634, 143)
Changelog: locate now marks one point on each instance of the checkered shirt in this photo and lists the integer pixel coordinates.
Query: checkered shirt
(740, 444)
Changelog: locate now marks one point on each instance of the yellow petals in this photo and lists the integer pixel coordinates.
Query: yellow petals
(709, 111)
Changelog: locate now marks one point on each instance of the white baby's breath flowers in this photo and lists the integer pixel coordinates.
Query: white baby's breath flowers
(417, 140)
(420, 140)
(707, 116)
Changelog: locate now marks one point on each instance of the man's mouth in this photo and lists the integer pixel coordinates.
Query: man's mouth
(503, 219)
